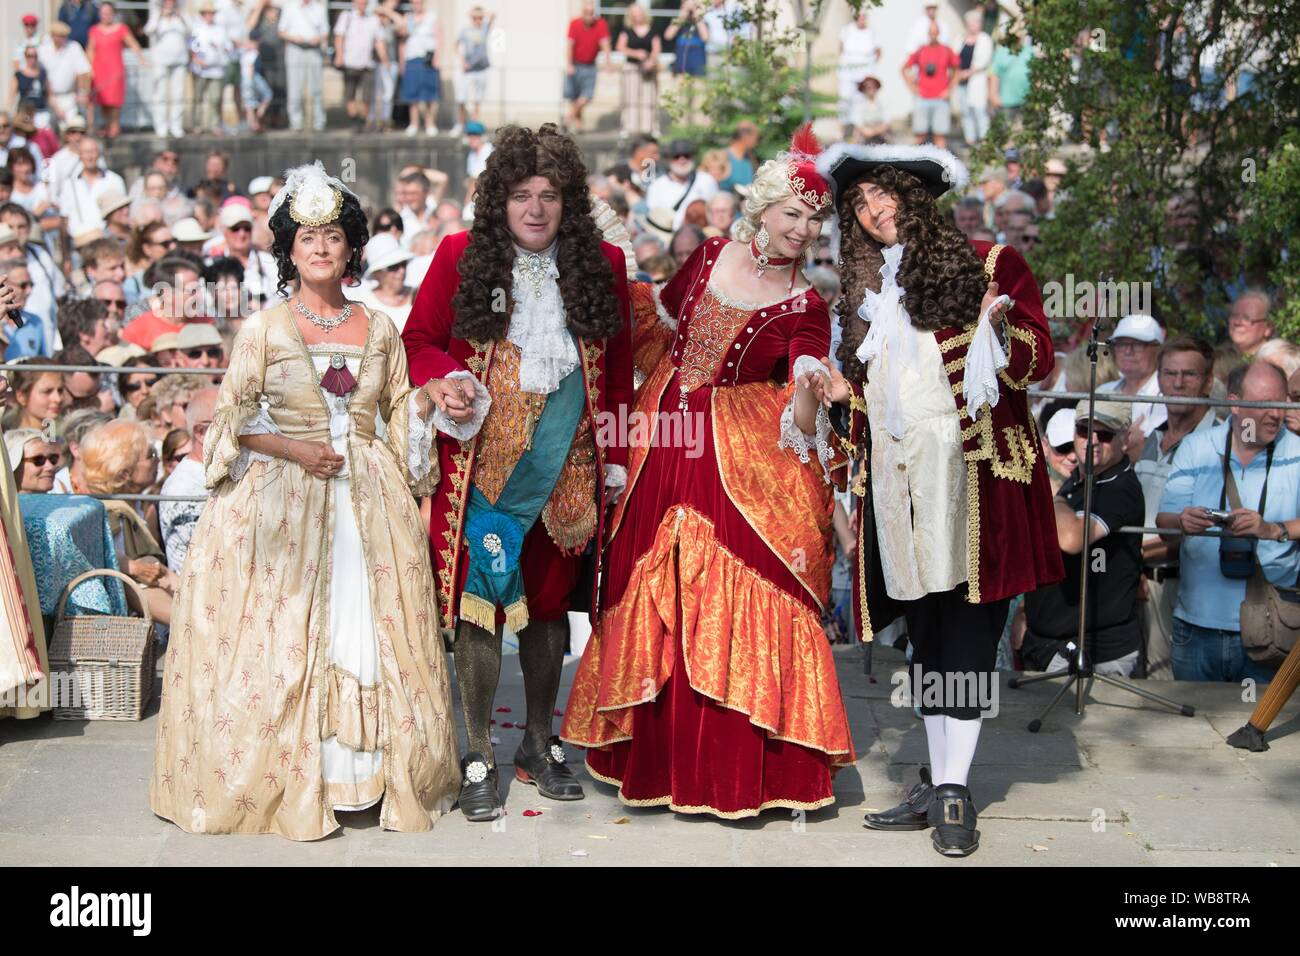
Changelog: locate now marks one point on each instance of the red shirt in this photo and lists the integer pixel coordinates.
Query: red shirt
(586, 39)
(934, 86)
(144, 328)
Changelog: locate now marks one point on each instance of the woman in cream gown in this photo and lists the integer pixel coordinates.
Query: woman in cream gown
(305, 672)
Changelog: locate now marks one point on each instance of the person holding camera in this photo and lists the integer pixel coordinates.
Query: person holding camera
(929, 73)
(1114, 630)
(588, 38)
(1243, 478)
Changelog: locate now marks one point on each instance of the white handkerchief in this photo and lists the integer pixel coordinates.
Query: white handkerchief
(984, 359)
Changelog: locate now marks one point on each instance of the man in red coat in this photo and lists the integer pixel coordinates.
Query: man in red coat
(941, 338)
(521, 334)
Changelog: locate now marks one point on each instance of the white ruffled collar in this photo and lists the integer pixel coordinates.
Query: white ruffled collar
(538, 325)
(891, 331)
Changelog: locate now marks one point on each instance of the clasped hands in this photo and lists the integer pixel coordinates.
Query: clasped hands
(454, 397)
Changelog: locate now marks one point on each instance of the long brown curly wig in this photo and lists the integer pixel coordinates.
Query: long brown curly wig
(942, 277)
(590, 306)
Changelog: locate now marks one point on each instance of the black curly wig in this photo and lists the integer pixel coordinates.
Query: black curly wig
(941, 275)
(586, 278)
(284, 228)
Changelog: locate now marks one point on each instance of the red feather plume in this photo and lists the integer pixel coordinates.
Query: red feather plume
(804, 141)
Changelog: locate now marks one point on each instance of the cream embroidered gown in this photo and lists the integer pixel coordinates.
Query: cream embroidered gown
(305, 671)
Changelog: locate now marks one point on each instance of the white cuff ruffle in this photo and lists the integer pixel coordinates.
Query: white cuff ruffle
(793, 437)
(419, 439)
(464, 431)
(259, 424)
(615, 482)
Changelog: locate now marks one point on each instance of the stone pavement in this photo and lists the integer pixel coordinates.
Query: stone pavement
(1130, 784)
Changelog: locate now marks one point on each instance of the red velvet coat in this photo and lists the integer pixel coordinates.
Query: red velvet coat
(1012, 525)
(434, 352)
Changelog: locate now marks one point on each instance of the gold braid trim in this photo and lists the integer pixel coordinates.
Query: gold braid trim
(722, 814)
(972, 532)
(857, 403)
(991, 260)
(456, 500)
(957, 341)
(865, 626)
(1026, 337)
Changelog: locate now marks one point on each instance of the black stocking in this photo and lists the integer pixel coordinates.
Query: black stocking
(541, 655)
(478, 669)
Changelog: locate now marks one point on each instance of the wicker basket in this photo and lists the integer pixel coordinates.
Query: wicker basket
(105, 663)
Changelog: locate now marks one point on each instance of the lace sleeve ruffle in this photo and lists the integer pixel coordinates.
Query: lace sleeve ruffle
(419, 440)
(793, 438)
(259, 424)
(615, 482)
(464, 431)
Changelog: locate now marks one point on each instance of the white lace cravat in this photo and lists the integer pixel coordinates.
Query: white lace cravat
(538, 326)
(891, 332)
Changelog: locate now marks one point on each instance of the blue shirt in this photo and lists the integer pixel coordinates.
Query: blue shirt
(1205, 597)
(79, 20)
(27, 341)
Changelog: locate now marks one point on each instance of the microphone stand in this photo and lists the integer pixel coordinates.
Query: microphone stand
(1081, 667)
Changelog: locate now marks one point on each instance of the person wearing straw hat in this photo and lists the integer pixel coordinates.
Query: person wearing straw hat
(306, 683)
(385, 289)
(942, 336)
(115, 210)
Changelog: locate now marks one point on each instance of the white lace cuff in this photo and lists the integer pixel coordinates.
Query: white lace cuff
(259, 424)
(615, 482)
(664, 317)
(985, 357)
(419, 439)
(464, 431)
(793, 437)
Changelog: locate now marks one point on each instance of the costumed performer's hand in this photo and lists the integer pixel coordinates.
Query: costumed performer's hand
(454, 397)
(990, 296)
(319, 458)
(834, 387)
(1195, 519)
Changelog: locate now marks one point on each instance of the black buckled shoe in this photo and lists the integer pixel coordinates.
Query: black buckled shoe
(952, 814)
(548, 772)
(480, 792)
(911, 814)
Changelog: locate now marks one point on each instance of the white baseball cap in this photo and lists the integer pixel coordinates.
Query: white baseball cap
(262, 184)
(1060, 427)
(1143, 328)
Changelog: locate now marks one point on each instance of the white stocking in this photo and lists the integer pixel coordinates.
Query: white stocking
(935, 740)
(961, 738)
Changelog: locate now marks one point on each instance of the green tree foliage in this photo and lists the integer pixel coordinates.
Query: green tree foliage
(1175, 177)
(761, 79)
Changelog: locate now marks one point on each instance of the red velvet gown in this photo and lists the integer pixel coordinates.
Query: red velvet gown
(708, 684)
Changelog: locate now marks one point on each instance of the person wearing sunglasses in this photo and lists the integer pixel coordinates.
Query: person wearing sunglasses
(1135, 346)
(112, 296)
(199, 345)
(34, 460)
(1057, 439)
(29, 338)
(682, 184)
(1113, 639)
(236, 222)
(135, 387)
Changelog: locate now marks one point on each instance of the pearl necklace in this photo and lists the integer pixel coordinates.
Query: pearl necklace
(329, 324)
